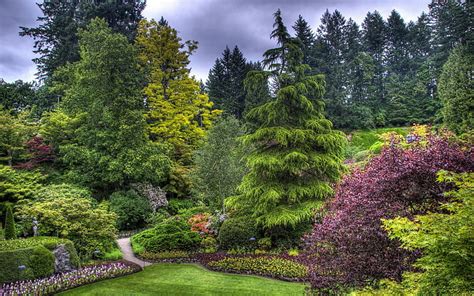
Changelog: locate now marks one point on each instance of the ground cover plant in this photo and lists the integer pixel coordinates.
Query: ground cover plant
(187, 279)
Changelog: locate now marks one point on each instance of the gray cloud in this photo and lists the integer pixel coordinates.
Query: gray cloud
(213, 23)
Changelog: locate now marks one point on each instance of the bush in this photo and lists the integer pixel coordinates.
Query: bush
(49, 243)
(10, 232)
(176, 204)
(132, 209)
(209, 245)
(269, 266)
(25, 263)
(349, 247)
(172, 234)
(90, 227)
(239, 232)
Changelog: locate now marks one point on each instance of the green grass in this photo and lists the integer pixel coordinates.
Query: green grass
(188, 279)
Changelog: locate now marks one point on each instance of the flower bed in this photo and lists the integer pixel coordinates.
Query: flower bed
(148, 256)
(68, 280)
(271, 266)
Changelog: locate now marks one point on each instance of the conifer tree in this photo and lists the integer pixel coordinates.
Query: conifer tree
(178, 112)
(296, 155)
(456, 90)
(307, 39)
(10, 232)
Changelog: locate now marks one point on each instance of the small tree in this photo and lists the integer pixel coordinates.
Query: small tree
(10, 232)
(218, 165)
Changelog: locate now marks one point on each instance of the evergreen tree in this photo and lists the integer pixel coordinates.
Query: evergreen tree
(373, 36)
(108, 147)
(226, 82)
(295, 155)
(10, 232)
(178, 113)
(396, 42)
(307, 40)
(56, 39)
(256, 87)
(456, 90)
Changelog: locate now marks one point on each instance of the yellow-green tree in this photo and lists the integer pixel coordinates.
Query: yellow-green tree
(178, 112)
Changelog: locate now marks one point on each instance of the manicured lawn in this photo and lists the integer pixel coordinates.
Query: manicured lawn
(188, 279)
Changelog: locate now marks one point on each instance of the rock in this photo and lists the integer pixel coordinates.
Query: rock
(62, 263)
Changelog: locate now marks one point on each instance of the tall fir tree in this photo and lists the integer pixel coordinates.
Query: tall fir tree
(108, 147)
(295, 154)
(10, 231)
(225, 83)
(307, 40)
(178, 113)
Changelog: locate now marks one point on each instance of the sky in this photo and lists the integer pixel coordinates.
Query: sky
(215, 24)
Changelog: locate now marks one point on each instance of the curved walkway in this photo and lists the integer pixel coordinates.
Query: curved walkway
(126, 248)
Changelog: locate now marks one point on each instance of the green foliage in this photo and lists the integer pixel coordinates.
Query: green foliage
(132, 209)
(276, 267)
(365, 140)
(265, 243)
(108, 147)
(178, 113)
(238, 232)
(446, 242)
(89, 226)
(456, 90)
(35, 253)
(218, 166)
(10, 232)
(15, 130)
(42, 261)
(177, 204)
(18, 184)
(295, 154)
(64, 190)
(209, 245)
(114, 254)
(170, 235)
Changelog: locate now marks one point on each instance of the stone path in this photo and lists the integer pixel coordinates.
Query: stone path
(124, 245)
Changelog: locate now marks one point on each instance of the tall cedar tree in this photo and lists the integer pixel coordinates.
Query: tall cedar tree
(178, 113)
(109, 146)
(307, 40)
(56, 39)
(295, 155)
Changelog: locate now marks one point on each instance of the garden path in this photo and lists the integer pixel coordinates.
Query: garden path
(126, 248)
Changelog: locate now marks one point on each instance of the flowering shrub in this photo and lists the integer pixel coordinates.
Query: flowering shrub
(269, 266)
(200, 223)
(349, 246)
(164, 255)
(68, 280)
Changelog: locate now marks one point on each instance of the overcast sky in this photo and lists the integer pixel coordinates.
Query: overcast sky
(213, 23)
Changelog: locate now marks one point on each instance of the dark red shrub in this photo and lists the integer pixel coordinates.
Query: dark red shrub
(39, 152)
(349, 247)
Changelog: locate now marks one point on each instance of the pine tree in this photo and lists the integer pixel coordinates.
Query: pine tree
(178, 113)
(396, 51)
(296, 155)
(108, 147)
(10, 232)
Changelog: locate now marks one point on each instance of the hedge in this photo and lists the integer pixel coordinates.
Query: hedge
(30, 258)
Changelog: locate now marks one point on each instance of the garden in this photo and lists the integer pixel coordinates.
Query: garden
(139, 180)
